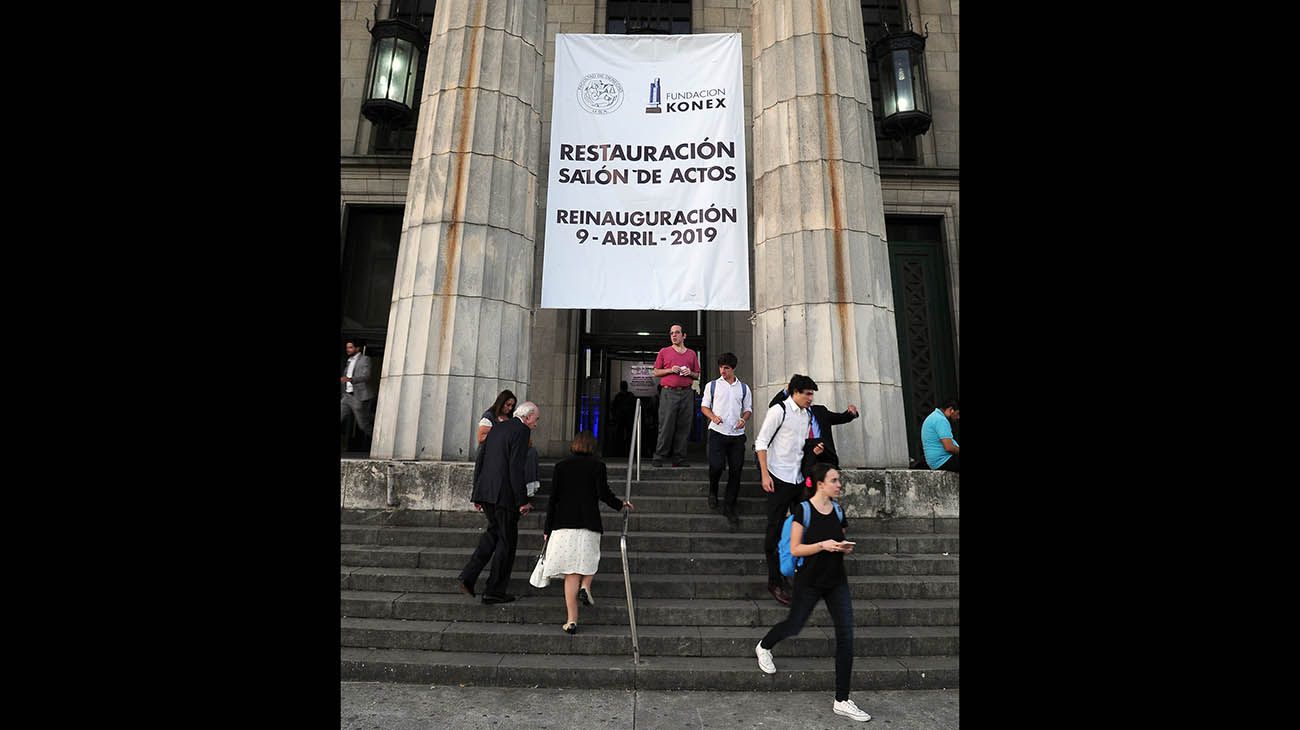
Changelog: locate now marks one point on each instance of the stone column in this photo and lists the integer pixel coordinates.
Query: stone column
(823, 297)
(458, 329)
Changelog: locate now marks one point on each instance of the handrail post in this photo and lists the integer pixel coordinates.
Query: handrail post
(634, 449)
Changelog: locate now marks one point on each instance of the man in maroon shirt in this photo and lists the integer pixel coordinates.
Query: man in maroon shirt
(678, 368)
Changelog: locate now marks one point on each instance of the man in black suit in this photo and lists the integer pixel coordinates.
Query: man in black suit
(500, 494)
(819, 443)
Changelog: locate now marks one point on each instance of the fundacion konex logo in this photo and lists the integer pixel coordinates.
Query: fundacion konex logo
(600, 93)
(652, 106)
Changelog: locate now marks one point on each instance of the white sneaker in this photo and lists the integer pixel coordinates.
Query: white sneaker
(851, 711)
(765, 659)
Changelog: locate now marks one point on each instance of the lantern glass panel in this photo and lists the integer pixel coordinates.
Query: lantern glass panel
(902, 75)
(918, 82)
(412, 75)
(382, 70)
(888, 105)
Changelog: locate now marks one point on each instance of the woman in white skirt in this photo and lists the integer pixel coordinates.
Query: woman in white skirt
(572, 531)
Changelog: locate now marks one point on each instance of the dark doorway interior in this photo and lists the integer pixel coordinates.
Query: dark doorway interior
(926, 345)
(367, 265)
(617, 345)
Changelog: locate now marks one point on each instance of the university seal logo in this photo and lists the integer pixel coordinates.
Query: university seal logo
(600, 93)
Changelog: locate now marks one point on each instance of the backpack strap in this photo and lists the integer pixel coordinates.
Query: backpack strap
(744, 391)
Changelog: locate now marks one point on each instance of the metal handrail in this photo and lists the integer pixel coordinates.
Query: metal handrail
(633, 453)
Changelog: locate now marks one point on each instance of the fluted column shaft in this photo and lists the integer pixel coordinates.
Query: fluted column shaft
(458, 328)
(823, 296)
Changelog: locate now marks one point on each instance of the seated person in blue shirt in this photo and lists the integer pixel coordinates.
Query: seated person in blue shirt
(941, 451)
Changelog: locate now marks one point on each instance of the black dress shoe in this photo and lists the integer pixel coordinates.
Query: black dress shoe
(495, 598)
(681, 463)
(464, 588)
(713, 501)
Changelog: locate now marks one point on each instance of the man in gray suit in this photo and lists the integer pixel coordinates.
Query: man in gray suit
(358, 393)
(501, 495)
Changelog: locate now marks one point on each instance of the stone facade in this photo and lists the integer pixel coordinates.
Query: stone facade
(460, 330)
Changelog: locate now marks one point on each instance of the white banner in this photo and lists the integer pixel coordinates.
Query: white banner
(645, 199)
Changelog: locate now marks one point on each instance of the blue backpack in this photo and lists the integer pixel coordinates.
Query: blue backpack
(789, 563)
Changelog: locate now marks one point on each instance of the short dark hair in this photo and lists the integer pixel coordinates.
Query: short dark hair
(950, 403)
(583, 443)
(357, 342)
(801, 382)
(500, 403)
(820, 470)
(728, 359)
(622, 385)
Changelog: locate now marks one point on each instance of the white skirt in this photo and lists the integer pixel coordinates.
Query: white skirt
(574, 550)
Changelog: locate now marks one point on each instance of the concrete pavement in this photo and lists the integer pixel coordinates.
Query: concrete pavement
(386, 706)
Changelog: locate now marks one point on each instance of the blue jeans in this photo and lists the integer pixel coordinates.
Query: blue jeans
(840, 603)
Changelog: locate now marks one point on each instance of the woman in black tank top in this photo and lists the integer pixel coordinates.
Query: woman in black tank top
(822, 546)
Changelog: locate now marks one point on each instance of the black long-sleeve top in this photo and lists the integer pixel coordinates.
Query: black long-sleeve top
(578, 484)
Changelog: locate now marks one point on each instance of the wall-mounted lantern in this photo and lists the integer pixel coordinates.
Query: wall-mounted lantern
(904, 91)
(394, 67)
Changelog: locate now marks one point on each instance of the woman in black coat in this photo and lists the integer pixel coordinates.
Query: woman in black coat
(573, 528)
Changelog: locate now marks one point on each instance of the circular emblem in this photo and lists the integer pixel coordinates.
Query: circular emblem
(600, 93)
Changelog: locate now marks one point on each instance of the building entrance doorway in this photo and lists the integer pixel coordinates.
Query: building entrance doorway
(618, 345)
(922, 307)
(367, 262)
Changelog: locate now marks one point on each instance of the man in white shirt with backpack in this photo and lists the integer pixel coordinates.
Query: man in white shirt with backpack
(728, 404)
(779, 447)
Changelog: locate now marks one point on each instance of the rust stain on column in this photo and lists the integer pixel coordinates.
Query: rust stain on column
(460, 162)
(836, 185)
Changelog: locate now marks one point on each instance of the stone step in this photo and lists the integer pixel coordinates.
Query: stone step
(717, 641)
(709, 542)
(654, 673)
(640, 521)
(697, 472)
(612, 609)
(428, 580)
(750, 486)
(675, 505)
(640, 563)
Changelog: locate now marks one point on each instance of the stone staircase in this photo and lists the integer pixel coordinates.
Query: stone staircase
(699, 591)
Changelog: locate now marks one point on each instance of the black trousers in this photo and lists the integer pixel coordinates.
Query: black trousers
(952, 464)
(497, 546)
(729, 449)
(783, 497)
(839, 601)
